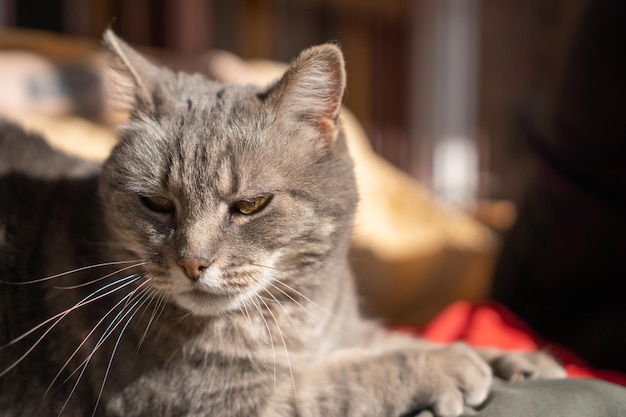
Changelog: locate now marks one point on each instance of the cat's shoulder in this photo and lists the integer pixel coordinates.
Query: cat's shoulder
(28, 154)
(37, 182)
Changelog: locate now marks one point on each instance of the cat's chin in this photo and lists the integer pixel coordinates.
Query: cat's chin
(204, 304)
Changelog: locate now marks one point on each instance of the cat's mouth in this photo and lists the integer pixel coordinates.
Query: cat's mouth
(205, 303)
(216, 291)
(196, 298)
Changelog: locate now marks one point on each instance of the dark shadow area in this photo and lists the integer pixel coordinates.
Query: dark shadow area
(563, 265)
(31, 210)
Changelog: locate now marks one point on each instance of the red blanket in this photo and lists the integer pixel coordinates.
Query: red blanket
(491, 325)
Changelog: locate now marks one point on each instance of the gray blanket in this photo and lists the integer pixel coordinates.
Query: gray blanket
(551, 398)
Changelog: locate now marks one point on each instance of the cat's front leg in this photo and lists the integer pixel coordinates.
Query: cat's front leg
(367, 383)
(507, 365)
(517, 366)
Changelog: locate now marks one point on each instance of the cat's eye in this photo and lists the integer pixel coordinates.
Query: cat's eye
(251, 206)
(158, 204)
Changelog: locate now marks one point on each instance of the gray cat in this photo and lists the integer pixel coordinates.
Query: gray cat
(206, 261)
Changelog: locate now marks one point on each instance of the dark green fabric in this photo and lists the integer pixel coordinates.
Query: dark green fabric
(551, 398)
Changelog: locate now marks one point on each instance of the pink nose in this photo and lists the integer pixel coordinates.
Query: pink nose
(193, 267)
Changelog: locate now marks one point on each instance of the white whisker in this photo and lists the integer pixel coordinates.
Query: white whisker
(84, 268)
(126, 297)
(117, 320)
(246, 314)
(265, 266)
(282, 337)
(269, 332)
(102, 278)
(147, 306)
(75, 306)
(60, 317)
(322, 309)
(313, 315)
(117, 342)
(123, 312)
(296, 328)
(159, 305)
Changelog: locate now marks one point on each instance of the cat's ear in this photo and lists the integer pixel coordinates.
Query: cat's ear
(135, 74)
(311, 91)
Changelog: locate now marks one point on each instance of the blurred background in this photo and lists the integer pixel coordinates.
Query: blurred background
(442, 87)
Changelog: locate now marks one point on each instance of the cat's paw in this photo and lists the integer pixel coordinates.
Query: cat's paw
(451, 377)
(513, 366)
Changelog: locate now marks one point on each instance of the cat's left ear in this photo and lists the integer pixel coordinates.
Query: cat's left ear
(138, 75)
(311, 91)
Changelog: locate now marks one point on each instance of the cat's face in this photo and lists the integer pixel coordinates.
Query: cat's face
(231, 190)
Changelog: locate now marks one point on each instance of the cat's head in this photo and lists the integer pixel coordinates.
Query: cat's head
(227, 188)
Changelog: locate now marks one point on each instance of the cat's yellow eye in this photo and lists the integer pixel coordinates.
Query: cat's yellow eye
(251, 206)
(158, 204)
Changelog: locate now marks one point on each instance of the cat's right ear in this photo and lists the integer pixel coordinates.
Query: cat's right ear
(311, 91)
(134, 74)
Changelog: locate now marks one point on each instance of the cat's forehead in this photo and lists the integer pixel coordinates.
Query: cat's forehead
(214, 138)
(196, 117)
(220, 161)
(217, 122)
(199, 99)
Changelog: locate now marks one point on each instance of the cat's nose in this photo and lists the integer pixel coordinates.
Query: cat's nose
(194, 267)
